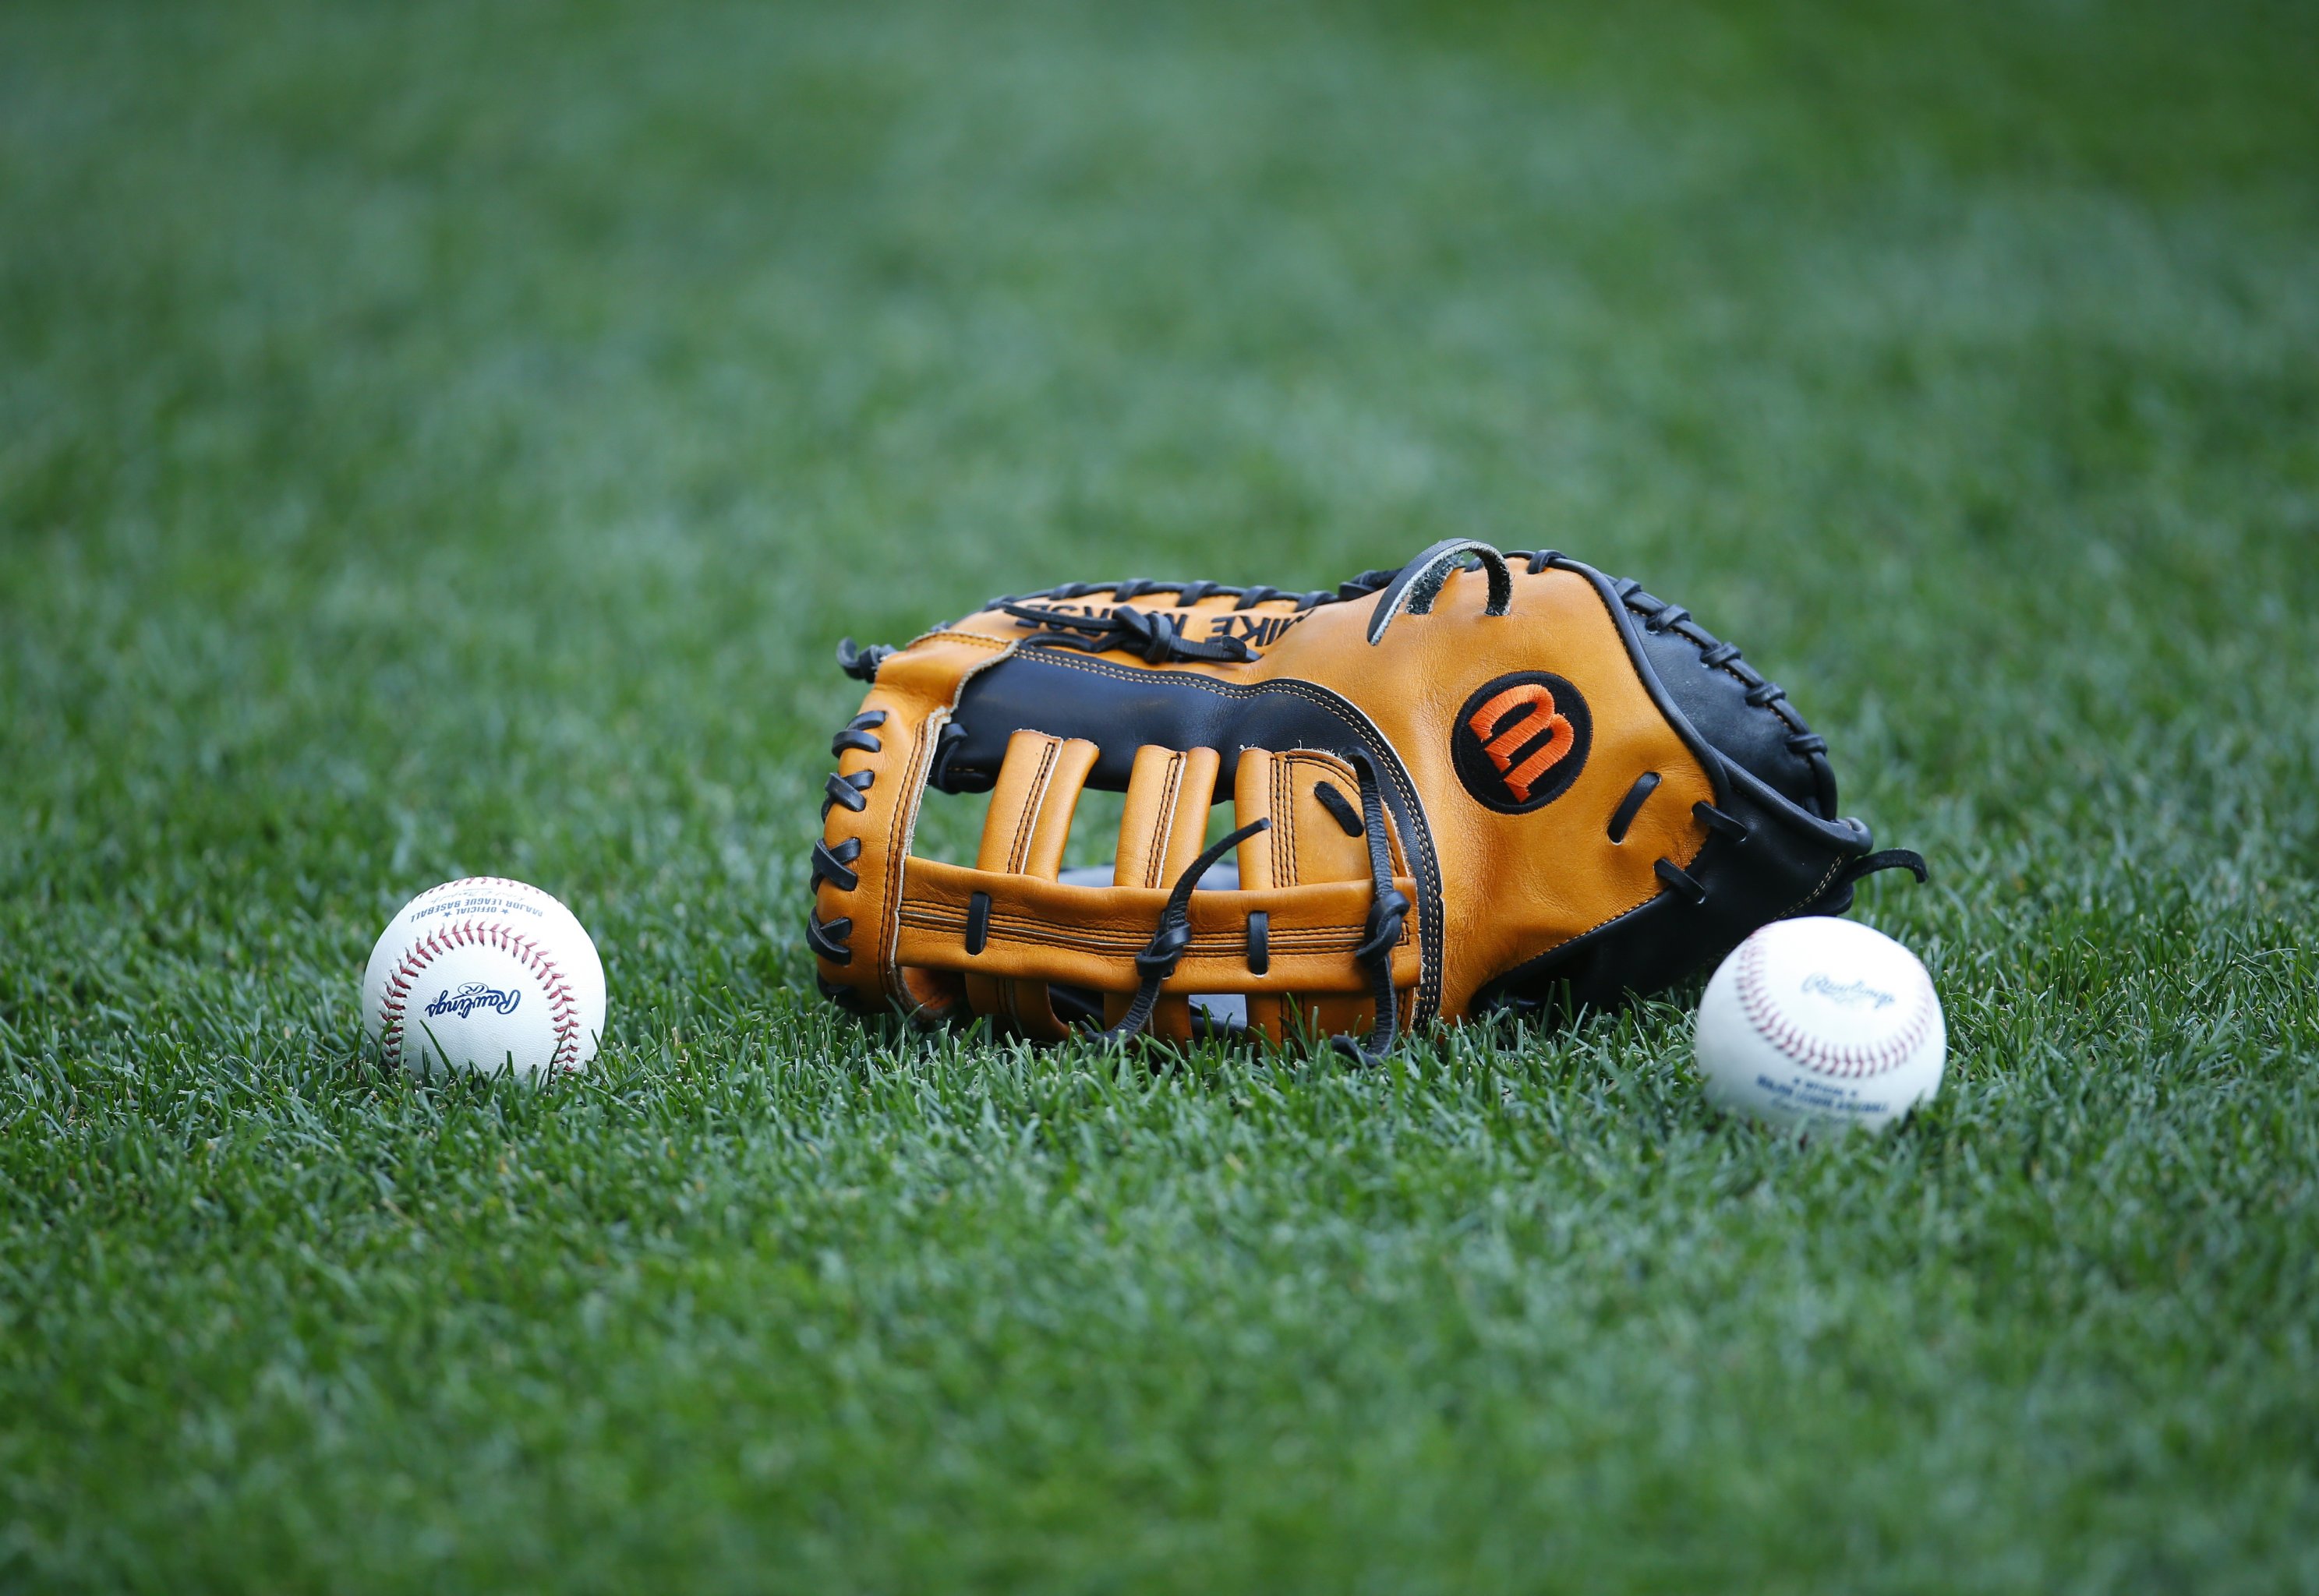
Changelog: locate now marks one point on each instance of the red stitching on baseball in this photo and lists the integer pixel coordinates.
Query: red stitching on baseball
(1775, 1025)
(557, 991)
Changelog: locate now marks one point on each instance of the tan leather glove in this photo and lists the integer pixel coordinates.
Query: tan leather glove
(1456, 788)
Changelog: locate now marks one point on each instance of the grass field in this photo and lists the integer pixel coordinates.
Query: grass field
(448, 439)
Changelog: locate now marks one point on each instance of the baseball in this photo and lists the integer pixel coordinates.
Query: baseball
(484, 974)
(1821, 1021)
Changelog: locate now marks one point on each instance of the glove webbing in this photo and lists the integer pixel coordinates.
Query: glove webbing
(1388, 907)
(1159, 959)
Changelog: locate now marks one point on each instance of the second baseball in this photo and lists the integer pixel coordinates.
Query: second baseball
(1821, 1021)
(485, 974)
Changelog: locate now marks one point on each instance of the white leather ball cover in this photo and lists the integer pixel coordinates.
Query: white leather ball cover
(1821, 1021)
(484, 974)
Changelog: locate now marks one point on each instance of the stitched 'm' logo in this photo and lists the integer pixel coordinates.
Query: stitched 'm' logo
(1521, 741)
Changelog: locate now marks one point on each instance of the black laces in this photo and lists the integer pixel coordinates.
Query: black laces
(1388, 907)
(1890, 859)
(1159, 639)
(1159, 959)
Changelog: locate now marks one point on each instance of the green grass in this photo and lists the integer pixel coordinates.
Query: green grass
(450, 438)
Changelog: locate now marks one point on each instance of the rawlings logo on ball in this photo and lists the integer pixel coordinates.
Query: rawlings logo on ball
(1850, 993)
(471, 996)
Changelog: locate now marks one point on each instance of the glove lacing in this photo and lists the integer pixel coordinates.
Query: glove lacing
(1159, 639)
(1388, 908)
(1160, 958)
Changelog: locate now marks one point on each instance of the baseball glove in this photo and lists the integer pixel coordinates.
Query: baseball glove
(1456, 788)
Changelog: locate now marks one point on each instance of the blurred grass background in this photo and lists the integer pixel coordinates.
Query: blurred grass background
(444, 438)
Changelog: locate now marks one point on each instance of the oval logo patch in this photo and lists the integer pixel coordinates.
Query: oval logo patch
(1521, 741)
